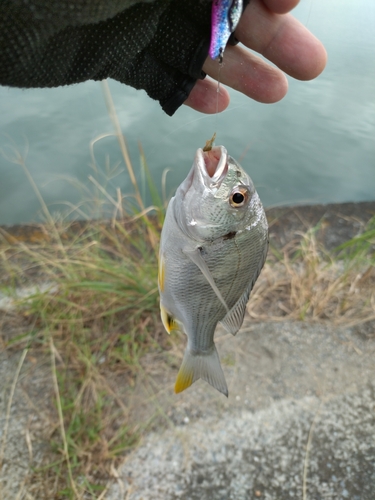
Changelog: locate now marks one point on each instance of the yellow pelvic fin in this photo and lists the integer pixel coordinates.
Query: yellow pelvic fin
(168, 320)
(161, 274)
(184, 379)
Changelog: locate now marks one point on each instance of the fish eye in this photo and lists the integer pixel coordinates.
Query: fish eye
(238, 197)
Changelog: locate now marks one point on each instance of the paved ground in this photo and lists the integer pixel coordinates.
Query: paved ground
(290, 384)
(24, 424)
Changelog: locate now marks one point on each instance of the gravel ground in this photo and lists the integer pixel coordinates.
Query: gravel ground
(290, 384)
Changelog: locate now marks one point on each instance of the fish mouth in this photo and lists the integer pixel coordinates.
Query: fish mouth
(209, 169)
(212, 165)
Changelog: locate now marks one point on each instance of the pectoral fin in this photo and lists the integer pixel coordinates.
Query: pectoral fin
(233, 320)
(196, 257)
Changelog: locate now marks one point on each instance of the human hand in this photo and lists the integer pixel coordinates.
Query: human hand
(267, 28)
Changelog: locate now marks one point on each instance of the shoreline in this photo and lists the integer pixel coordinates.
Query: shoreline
(344, 219)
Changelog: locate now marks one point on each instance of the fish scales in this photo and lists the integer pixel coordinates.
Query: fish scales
(211, 254)
(196, 303)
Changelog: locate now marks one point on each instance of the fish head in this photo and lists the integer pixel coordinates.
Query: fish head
(217, 197)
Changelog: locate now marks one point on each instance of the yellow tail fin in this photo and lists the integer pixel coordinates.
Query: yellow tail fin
(184, 380)
(202, 364)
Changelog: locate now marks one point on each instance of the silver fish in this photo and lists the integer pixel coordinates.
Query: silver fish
(213, 246)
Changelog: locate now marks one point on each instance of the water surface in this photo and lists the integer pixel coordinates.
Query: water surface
(315, 146)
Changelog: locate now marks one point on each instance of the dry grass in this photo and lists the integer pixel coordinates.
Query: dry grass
(97, 319)
(304, 281)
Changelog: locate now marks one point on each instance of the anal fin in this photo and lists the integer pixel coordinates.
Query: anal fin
(233, 320)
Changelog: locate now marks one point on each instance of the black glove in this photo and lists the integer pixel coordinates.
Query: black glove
(159, 46)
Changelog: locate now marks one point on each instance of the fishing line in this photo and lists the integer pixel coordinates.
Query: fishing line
(176, 130)
(210, 143)
(218, 88)
(218, 92)
(200, 118)
(309, 13)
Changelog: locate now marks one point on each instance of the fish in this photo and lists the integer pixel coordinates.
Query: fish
(213, 245)
(225, 15)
